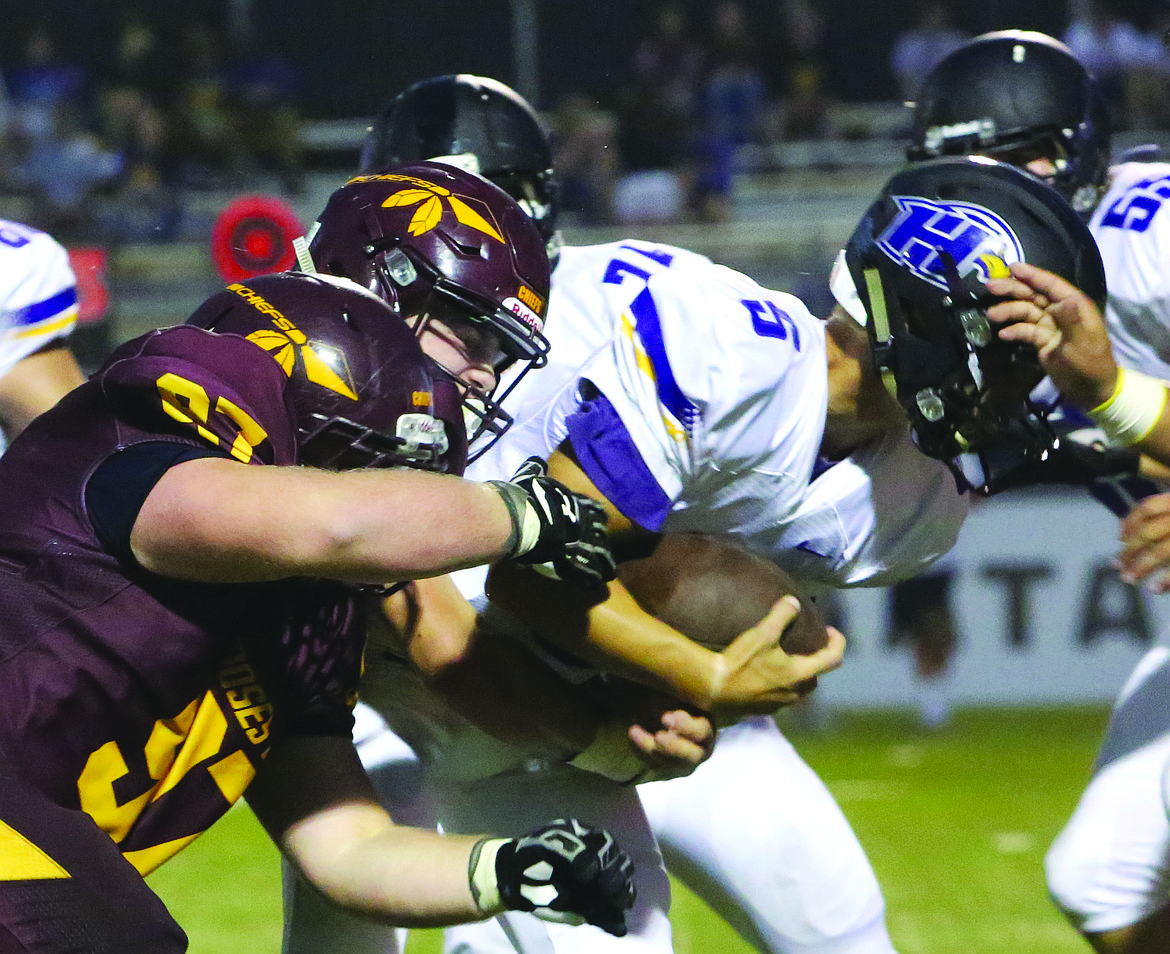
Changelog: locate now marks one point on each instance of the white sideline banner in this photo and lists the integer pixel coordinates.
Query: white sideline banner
(1042, 617)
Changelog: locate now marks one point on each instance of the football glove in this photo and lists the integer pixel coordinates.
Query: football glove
(1075, 456)
(561, 872)
(561, 532)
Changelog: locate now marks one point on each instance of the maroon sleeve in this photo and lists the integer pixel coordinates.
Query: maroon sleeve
(217, 390)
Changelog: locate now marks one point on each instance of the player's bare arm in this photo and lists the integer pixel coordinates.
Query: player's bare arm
(214, 519)
(752, 675)
(34, 385)
(1067, 329)
(316, 802)
(503, 688)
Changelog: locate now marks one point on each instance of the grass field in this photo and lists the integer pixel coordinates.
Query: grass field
(955, 822)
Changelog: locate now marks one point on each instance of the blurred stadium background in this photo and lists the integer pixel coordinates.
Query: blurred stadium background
(125, 128)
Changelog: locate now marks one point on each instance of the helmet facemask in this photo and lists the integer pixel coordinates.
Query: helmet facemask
(1016, 95)
(963, 389)
(488, 331)
(920, 259)
(443, 245)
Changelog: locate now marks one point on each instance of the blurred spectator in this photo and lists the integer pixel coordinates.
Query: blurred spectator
(585, 156)
(63, 170)
(135, 123)
(656, 109)
(266, 89)
(731, 107)
(54, 155)
(918, 49)
(804, 107)
(42, 82)
(1131, 66)
(206, 149)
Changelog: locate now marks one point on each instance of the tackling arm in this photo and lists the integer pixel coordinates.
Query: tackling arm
(314, 800)
(215, 520)
(752, 675)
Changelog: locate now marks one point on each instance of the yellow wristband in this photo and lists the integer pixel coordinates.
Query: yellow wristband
(1135, 406)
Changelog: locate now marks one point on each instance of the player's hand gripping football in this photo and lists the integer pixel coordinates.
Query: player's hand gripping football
(756, 676)
(649, 735)
(562, 871)
(560, 531)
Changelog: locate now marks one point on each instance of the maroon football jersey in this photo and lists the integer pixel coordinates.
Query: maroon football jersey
(149, 702)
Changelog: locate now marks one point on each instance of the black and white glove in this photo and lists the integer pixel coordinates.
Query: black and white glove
(560, 531)
(561, 872)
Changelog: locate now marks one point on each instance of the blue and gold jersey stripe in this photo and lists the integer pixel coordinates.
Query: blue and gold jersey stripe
(644, 321)
(49, 315)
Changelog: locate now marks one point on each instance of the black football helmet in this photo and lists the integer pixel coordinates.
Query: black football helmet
(478, 124)
(437, 242)
(920, 258)
(360, 389)
(1016, 95)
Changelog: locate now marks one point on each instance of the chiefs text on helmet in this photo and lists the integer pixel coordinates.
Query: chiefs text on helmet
(361, 392)
(434, 241)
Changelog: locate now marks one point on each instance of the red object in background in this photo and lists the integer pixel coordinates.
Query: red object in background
(254, 236)
(90, 265)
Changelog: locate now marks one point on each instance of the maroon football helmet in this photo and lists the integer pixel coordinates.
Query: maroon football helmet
(360, 389)
(438, 242)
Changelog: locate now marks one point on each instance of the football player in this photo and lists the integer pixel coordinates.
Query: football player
(690, 398)
(38, 310)
(188, 543)
(1024, 98)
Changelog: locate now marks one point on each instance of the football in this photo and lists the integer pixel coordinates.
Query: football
(713, 588)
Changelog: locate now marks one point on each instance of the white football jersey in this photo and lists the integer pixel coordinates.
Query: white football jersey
(696, 399)
(1134, 240)
(38, 293)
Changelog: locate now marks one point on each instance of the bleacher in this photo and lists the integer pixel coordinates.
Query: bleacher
(794, 204)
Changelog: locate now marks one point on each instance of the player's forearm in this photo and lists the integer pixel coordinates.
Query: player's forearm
(213, 519)
(1156, 446)
(409, 524)
(627, 640)
(615, 634)
(316, 802)
(398, 875)
(35, 385)
(1134, 415)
